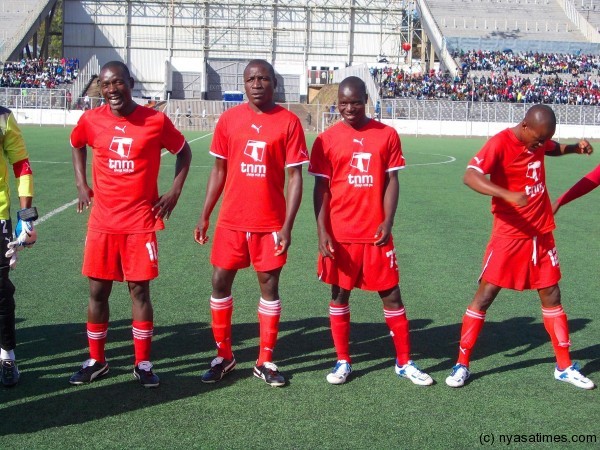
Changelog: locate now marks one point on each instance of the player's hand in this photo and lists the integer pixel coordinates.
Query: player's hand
(555, 207)
(383, 233)
(326, 245)
(166, 204)
(584, 147)
(25, 237)
(517, 198)
(284, 240)
(85, 194)
(200, 235)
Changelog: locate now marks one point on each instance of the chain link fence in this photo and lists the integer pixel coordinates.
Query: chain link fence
(454, 111)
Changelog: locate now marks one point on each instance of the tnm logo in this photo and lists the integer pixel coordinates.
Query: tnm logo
(360, 161)
(121, 146)
(533, 170)
(121, 165)
(256, 151)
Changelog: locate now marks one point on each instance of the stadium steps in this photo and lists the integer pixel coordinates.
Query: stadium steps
(327, 95)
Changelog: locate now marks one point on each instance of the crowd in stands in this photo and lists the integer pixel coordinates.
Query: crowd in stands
(39, 73)
(527, 63)
(502, 77)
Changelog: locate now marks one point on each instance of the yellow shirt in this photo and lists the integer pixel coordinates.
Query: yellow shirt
(13, 151)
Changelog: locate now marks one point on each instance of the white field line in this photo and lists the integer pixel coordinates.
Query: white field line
(451, 159)
(73, 202)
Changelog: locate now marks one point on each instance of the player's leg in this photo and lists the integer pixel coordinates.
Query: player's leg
(472, 324)
(397, 322)
(556, 324)
(269, 313)
(97, 329)
(229, 254)
(339, 320)
(9, 373)
(342, 274)
(142, 314)
(221, 310)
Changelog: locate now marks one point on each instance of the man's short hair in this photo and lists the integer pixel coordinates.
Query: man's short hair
(121, 65)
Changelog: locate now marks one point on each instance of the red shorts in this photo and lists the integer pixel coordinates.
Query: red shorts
(363, 266)
(530, 263)
(118, 257)
(234, 250)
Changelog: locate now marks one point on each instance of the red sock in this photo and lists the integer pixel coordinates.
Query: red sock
(268, 318)
(555, 322)
(471, 327)
(142, 340)
(339, 318)
(96, 333)
(221, 310)
(398, 324)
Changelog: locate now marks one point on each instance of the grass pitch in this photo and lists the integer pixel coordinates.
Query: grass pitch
(440, 231)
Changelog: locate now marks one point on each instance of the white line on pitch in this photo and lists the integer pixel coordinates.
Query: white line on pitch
(189, 142)
(55, 211)
(451, 160)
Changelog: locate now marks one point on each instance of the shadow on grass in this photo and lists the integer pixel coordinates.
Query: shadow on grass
(49, 354)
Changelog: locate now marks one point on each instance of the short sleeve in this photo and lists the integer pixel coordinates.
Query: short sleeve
(296, 152)
(79, 133)
(319, 165)
(396, 161)
(171, 138)
(486, 158)
(219, 145)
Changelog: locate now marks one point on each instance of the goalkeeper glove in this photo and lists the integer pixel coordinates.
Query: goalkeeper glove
(25, 233)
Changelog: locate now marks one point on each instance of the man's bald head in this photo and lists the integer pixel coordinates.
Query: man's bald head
(355, 84)
(540, 115)
(537, 127)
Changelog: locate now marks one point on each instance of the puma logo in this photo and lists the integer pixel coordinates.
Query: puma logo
(121, 129)
(358, 141)
(477, 160)
(257, 128)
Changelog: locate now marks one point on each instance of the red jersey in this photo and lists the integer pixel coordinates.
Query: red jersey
(125, 166)
(356, 162)
(512, 166)
(258, 148)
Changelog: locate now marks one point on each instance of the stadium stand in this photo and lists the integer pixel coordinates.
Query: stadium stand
(20, 20)
(528, 19)
(590, 10)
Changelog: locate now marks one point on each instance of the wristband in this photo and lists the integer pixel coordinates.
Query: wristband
(27, 214)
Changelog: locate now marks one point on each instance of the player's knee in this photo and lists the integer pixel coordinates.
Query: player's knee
(550, 296)
(7, 300)
(7, 291)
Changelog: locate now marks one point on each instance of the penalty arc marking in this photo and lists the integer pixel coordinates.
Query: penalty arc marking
(450, 159)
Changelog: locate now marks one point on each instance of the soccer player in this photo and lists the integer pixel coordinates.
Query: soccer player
(355, 164)
(15, 154)
(521, 253)
(254, 145)
(587, 184)
(126, 211)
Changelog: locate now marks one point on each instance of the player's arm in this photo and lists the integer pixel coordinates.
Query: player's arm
(167, 202)
(482, 184)
(588, 183)
(294, 197)
(390, 203)
(214, 188)
(84, 192)
(321, 204)
(583, 147)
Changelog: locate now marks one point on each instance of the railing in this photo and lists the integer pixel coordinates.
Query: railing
(466, 111)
